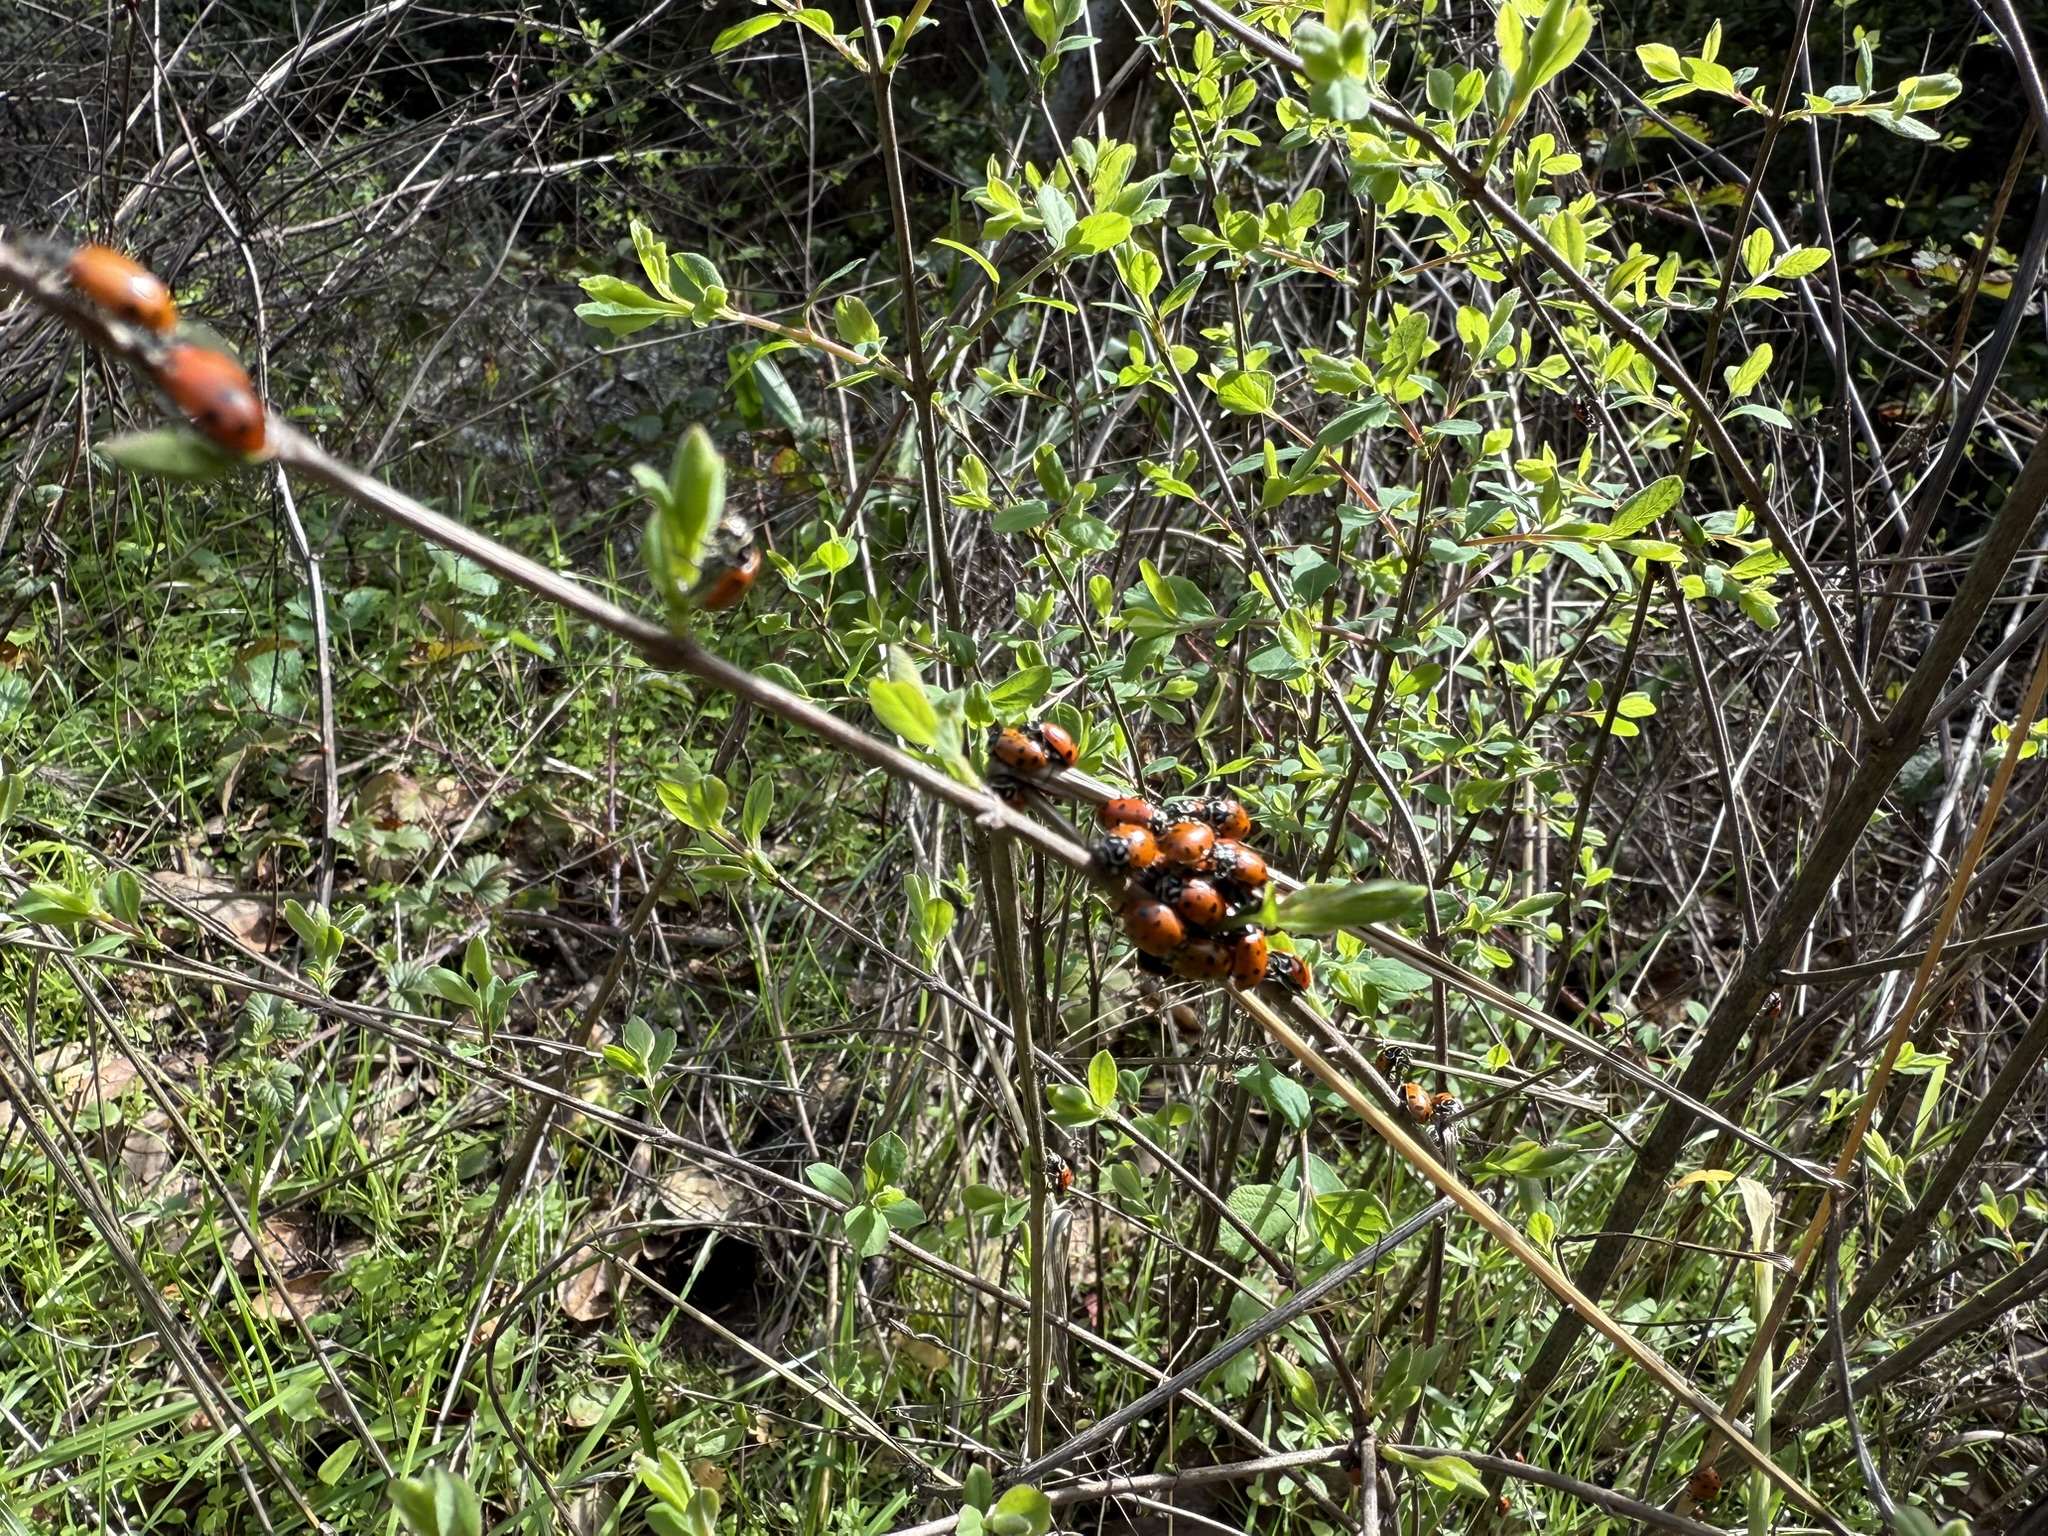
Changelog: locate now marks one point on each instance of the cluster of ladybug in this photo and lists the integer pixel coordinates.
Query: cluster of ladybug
(208, 386)
(1437, 1113)
(1195, 886)
(1194, 882)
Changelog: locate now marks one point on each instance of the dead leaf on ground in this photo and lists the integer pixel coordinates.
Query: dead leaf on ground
(246, 917)
(592, 1279)
(699, 1196)
(288, 1241)
(307, 1294)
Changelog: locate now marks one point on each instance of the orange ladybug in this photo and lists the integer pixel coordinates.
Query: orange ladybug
(1228, 817)
(125, 289)
(1416, 1097)
(1188, 844)
(1234, 861)
(727, 582)
(1062, 1178)
(1501, 1505)
(1392, 1062)
(1704, 1486)
(1445, 1106)
(1125, 849)
(1126, 811)
(1059, 746)
(211, 388)
(1153, 928)
(1018, 750)
(1203, 960)
(1199, 903)
(1249, 957)
(1289, 970)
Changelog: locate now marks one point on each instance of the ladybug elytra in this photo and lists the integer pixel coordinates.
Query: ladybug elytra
(1249, 957)
(1018, 750)
(1188, 844)
(1416, 1097)
(727, 582)
(125, 289)
(1127, 848)
(1059, 746)
(1704, 1486)
(1153, 928)
(1203, 960)
(211, 388)
(1126, 811)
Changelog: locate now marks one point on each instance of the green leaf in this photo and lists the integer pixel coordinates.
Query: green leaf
(1278, 1092)
(1757, 251)
(1801, 261)
(1646, 506)
(700, 805)
(335, 1464)
(1746, 378)
(904, 708)
(1020, 690)
(1635, 706)
(1560, 35)
(854, 322)
(1022, 1511)
(743, 32)
(829, 1180)
(1102, 1083)
(1349, 1222)
(886, 1158)
(1660, 62)
(1325, 908)
(867, 1229)
(696, 482)
(54, 905)
(1097, 233)
(1070, 1105)
(1245, 392)
(438, 1504)
(170, 453)
(1453, 1474)
(759, 806)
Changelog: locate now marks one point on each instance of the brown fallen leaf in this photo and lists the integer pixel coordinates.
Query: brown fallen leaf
(307, 1294)
(215, 899)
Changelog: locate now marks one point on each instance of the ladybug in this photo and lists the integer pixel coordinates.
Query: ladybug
(211, 388)
(1127, 811)
(1289, 970)
(1228, 817)
(1188, 844)
(1153, 928)
(1416, 1097)
(1249, 957)
(1444, 1110)
(1060, 1176)
(1183, 808)
(726, 583)
(1704, 1486)
(1234, 861)
(125, 289)
(1199, 904)
(1018, 750)
(1059, 746)
(1501, 1505)
(1127, 848)
(1006, 789)
(1203, 960)
(1392, 1062)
